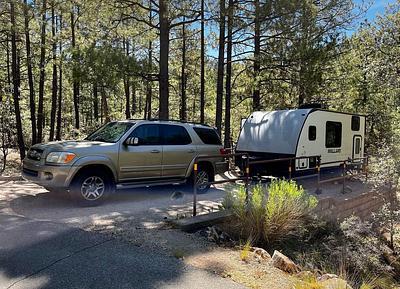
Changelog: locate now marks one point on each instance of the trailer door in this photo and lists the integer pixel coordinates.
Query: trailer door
(357, 147)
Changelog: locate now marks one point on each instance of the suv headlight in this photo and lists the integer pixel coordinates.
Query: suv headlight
(60, 157)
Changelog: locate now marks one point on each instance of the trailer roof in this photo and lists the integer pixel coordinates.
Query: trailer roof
(272, 131)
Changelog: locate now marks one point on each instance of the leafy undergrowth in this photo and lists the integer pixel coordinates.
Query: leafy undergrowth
(281, 219)
(351, 250)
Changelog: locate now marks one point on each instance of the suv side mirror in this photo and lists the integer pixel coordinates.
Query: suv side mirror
(132, 141)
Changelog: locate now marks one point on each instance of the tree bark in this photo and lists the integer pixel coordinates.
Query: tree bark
(220, 72)
(42, 66)
(16, 81)
(202, 54)
(55, 80)
(164, 54)
(105, 105)
(95, 102)
(149, 90)
(32, 102)
(127, 84)
(257, 48)
(75, 83)
(182, 111)
(8, 65)
(59, 100)
(228, 88)
(133, 99)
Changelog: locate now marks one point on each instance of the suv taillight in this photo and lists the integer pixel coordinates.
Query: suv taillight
(224, 151)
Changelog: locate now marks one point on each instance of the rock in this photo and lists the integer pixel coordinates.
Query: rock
(282, 262)
(327, 276)
(334, 283)
(261, 254)
(391, 259)
(216, 235)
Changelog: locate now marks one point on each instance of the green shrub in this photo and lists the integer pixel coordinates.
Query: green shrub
(272, 212)
(287, 208)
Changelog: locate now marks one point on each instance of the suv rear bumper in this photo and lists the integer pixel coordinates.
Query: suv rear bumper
(45, 175)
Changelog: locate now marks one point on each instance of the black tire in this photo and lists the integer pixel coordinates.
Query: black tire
(203, 175)
(91, 188)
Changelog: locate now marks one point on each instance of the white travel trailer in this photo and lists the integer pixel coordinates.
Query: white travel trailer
(335, 136)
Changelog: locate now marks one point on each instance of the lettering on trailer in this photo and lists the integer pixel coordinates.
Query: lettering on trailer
(334, 151)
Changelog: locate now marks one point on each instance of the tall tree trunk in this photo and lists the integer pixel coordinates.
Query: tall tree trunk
(55, 80)
(220, 72)
(105, 105)
(8, 65)
(202, 52)
(149, 90)
(182, 111)
(133, 99)
(40, 115)
(228, 88)
(127, 84)
(16, 81)
(95, 102)
(75, 79)
(32, 102)
(59, 101)
(257, 44)
(164, 54)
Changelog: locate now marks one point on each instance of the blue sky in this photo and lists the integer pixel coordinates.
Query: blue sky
(376, 7)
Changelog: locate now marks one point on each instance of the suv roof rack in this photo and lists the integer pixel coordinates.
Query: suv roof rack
(173, 120)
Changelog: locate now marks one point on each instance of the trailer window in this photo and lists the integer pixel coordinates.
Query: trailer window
(357, 148)
(333, 137)
(312, 132)
(355, 123)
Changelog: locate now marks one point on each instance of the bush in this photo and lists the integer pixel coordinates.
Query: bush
(267, 220)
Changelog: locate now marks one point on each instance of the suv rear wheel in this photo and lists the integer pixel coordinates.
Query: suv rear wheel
(91, 188)
(203, 177)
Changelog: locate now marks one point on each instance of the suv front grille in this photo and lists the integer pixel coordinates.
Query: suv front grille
(35, 154)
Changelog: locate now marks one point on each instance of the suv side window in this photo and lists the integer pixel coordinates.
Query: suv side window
(148, 134)
(175, 135)
(208, 135)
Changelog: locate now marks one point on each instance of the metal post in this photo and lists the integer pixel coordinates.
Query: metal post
(194, 189)
(344, 177)
(247, 179)
(318, 175)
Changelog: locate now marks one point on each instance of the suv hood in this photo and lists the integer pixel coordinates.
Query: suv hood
(69, 145)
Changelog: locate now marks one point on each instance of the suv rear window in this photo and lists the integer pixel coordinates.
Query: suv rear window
(175, 135)
(208, 135)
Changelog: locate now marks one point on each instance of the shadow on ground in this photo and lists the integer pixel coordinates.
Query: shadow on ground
(40, 254)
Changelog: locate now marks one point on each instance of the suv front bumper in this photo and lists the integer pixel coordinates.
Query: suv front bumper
(46, 175)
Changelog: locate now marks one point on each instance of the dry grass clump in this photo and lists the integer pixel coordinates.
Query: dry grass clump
(271, 213)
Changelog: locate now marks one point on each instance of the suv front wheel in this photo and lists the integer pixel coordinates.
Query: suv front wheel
(91, 188)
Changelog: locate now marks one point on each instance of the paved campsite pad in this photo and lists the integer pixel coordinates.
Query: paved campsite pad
(47, 242)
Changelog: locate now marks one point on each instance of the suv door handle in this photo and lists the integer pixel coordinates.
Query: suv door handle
(191, 151)
(155, 151)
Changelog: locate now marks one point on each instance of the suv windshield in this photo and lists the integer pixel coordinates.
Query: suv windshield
(111, 132)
